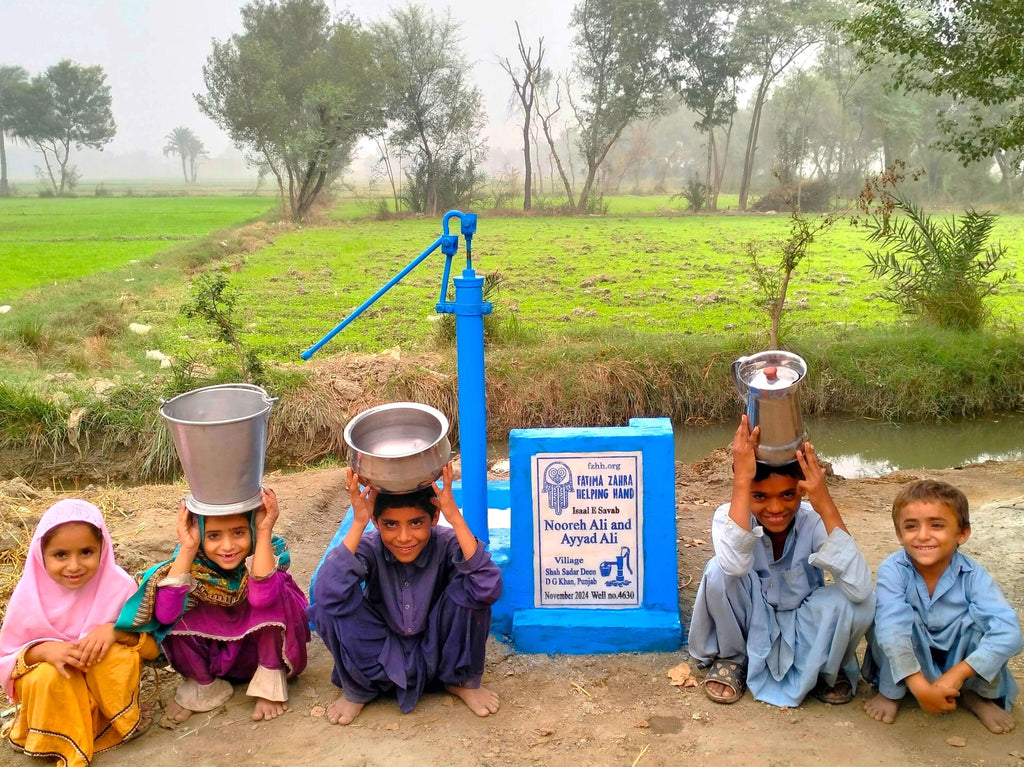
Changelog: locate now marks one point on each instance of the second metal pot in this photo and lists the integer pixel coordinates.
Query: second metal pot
(770, 383)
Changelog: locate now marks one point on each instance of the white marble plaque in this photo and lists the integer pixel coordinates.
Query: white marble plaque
(588, 522)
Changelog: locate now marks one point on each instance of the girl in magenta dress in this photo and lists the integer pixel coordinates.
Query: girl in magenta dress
(220, 623)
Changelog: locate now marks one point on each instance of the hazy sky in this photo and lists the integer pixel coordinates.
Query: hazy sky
(153, 52)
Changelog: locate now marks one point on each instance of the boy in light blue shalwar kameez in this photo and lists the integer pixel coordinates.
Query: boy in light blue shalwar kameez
(942, 628)
(763, 614)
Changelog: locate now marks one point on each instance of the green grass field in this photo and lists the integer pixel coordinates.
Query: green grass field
(570, 278)
(50, 240)
(562, 279)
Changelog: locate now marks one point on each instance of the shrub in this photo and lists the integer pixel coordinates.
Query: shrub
(695, 193)
(940, 271)
(506, 187)
(213, 300)
(814, 197)
(458, 183)
(596, 205)
(444, 329)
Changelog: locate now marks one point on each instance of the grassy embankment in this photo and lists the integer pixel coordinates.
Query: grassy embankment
(596, 319)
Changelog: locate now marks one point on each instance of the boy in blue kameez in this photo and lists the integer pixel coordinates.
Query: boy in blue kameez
(763, 616)
(942, 628)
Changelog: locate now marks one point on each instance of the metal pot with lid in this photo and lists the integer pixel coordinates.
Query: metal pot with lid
(770, 384)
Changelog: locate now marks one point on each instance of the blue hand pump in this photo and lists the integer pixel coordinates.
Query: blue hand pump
(469, 309)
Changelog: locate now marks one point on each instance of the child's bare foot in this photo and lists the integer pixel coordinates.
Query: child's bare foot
(480, 700)
(343, 711)
(265, 710)
(882, 708)
(174, 715)
(991, 714)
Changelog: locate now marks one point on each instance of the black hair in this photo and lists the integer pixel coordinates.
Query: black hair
(417, 499)
(48, 535)
(765, 470)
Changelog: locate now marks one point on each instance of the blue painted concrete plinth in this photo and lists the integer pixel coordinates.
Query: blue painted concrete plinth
(593, 564)
(577, 632)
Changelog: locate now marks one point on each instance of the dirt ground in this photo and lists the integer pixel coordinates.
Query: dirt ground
(564, 709)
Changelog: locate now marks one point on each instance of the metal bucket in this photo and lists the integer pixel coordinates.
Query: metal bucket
(770, 384)
(398, 447)
(220, 433)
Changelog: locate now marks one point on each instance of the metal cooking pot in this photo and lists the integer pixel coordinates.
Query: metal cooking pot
(770, 384)
(398, 447)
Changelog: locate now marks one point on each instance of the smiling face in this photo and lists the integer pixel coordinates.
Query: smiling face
(404, 531)
(930, 534)
(774, 502)
(227, 540)
(71, 554)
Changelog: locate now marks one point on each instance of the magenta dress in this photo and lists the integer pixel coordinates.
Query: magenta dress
(210, 642)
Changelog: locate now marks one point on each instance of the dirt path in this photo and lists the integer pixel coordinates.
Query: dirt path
(575, 710)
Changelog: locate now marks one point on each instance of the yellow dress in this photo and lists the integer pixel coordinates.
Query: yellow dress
(72, 719)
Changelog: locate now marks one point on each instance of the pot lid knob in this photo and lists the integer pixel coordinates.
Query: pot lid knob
(771, 374)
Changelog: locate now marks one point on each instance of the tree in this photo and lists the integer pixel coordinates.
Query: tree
(525, 83)
(68, 105)
(771, 34)
(296, 90)
(179, 143)
(436, 114)
(970, 51)
(12, 84)
(546, 113)
(196, 152)
(619, 66)
(773, 279)
(704, 69)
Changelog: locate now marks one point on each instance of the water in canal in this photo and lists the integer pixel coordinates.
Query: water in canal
(858, 447)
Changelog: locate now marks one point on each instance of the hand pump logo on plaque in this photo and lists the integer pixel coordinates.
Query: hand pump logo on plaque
(588, 517)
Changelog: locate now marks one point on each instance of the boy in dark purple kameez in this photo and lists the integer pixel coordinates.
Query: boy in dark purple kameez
(406, 604)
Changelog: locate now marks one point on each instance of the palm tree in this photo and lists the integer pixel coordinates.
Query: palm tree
(179, 142)
(11, 80)
(196, 151)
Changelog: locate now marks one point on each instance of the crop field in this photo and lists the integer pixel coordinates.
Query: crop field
(50, 240)
(562, 281)
(570, 278)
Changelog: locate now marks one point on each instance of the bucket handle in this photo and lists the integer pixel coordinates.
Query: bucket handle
(741, 386)
(246, 386)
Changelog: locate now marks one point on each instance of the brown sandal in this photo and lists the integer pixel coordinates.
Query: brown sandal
(731, 674)
(5, 736)
(836, 694)
(145, 722)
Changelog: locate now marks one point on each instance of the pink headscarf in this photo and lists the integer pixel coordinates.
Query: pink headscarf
(43, 610)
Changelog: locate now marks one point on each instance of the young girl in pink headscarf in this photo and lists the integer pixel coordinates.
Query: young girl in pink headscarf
(75, 678)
